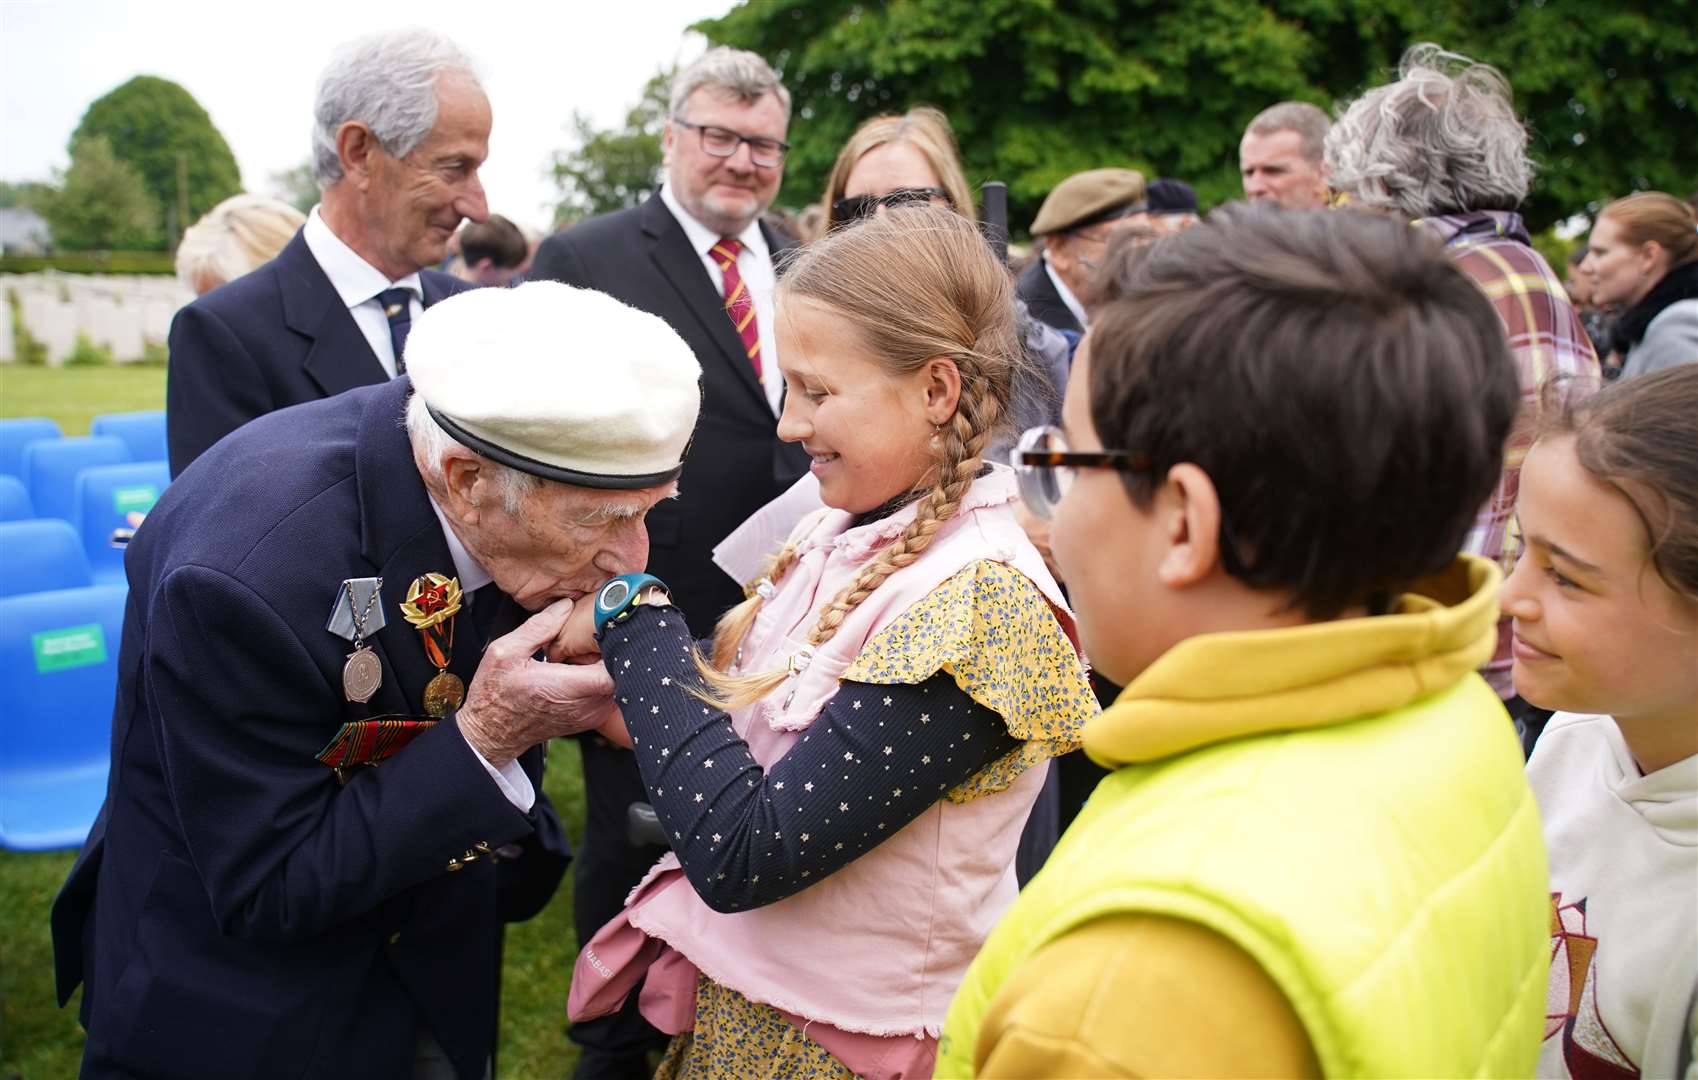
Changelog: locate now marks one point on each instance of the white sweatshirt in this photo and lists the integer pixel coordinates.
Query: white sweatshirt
(1624, 885)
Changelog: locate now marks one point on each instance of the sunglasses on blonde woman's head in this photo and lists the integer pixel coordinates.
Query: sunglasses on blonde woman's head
(1046, 468)
(857, 207)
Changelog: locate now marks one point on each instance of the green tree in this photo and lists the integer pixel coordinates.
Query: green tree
(102, 202)
(1040, 89)
(611, 170)
(297, 186)
(27, 194)
(159, 128)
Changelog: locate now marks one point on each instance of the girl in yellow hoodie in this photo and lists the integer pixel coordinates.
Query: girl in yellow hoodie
(1316, 854)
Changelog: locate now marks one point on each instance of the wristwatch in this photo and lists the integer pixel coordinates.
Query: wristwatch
(619, 597)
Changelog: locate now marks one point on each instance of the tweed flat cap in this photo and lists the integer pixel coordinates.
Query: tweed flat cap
(1089, 197)
(563, 383)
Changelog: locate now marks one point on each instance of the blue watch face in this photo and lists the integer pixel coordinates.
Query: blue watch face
(613, 594)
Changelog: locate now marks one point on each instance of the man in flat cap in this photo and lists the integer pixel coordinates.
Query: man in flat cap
(325, 794)
(1073, 226)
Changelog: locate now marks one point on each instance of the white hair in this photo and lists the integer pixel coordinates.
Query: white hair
(732, 72)
(387, 81)
(431, 444)
(1443, 138)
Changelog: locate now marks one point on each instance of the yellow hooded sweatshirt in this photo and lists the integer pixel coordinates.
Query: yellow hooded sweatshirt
(1317, 855)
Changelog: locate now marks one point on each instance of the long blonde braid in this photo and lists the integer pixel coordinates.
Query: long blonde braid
(918, 283)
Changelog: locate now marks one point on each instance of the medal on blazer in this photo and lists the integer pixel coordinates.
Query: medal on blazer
(432, 602)
(355, 616)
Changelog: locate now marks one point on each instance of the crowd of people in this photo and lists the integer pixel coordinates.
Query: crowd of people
(1120, 665)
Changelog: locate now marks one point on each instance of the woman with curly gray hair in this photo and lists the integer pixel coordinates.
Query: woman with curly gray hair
(1441, 145)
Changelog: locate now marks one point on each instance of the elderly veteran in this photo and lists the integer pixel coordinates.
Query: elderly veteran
(325, 790)
(1074, 225)
(1442, 147)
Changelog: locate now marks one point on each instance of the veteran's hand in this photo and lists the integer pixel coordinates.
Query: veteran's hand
(515, 702)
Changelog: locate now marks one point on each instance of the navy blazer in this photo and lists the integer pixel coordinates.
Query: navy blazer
(736, 464)
(236, 911)
(267, 340)
(1043, 300)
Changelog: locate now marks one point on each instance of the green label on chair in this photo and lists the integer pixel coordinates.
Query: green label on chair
(74, 646)
(140, 497)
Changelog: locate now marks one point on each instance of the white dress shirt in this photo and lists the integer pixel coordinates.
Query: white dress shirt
(510, 778)
(754, 263)
(1067, 296)
(358, 282)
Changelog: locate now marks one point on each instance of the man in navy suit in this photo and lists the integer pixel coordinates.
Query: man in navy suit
(683, 255)
(241, 908)
(401, 126)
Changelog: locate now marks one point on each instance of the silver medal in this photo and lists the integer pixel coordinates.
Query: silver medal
(361, 675)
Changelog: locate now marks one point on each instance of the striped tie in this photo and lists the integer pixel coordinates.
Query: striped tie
(738, 303)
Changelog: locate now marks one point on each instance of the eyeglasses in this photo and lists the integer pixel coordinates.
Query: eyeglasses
(1046, 468)
(723, 142)
(857, 207)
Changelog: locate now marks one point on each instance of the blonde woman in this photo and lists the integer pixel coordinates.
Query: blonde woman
(844, 781)
(1643, 256)
(242, 233)
(896, 161)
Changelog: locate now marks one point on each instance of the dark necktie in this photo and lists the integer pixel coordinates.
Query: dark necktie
(398, 309)
(738, 303)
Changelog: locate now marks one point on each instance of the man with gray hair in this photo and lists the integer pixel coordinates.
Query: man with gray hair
(698, 255)
(328, 742)
(1442, 147)
(1280, 156)
(400, 127)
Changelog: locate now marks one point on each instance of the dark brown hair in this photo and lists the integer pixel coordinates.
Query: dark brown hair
(1345, 387)
(1639, 436)
(495, 239)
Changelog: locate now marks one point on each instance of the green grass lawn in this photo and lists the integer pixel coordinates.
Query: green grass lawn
(75, 395)
(41, 1042)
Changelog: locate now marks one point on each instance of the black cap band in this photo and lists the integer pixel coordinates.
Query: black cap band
(547, 471)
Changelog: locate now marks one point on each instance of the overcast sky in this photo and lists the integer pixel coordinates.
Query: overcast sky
(253, 68)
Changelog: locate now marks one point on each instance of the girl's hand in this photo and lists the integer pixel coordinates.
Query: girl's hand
(615, 731)
(575, 643)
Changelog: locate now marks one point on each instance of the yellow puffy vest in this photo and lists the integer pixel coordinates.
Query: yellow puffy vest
(1388, 873)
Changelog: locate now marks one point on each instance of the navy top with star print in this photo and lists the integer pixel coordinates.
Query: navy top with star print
(875, 759)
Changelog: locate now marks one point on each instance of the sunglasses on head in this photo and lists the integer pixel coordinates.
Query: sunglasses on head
(856, 207)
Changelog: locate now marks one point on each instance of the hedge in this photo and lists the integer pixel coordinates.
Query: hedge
(91, 262)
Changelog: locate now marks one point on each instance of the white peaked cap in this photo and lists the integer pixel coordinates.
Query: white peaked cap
(563, 383)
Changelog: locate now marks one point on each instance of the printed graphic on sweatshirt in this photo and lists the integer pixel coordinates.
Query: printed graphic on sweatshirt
(1571, 1010)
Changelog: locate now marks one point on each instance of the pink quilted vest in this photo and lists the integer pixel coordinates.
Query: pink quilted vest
(880, 946)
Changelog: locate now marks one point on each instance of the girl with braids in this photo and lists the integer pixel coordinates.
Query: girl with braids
(844, 775)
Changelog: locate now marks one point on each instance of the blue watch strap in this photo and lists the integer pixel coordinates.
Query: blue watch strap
(616, 597)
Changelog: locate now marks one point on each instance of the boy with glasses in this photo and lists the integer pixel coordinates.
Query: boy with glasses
(1316, 854)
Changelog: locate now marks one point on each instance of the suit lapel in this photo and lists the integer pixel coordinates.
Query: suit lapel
(338, 356)
(682, 267)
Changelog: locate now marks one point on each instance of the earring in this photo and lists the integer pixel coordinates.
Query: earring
(937, 436)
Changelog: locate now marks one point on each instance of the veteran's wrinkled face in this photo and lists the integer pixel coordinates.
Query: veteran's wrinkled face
(556, 540)
(723, 193)
(416, 202)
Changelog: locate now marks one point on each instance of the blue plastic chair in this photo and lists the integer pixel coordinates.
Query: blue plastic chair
(51, 468)
(58, 677)
(142, 432)
(18, 433)
(106, 497)
(41, 554)
(14, 499)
